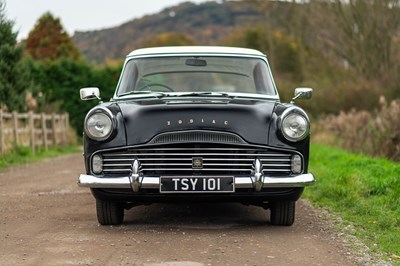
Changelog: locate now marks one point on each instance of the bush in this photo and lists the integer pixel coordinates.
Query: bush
(61, 80)
(377, 133)
(22, 151)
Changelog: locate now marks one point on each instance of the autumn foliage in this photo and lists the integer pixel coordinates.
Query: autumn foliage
(169, 39)
(49, 41)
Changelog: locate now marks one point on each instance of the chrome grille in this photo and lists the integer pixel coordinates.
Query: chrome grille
(178, 160)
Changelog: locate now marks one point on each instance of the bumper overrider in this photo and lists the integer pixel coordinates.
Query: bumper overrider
(137, 181)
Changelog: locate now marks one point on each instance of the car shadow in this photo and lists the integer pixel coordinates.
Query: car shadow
(198, 216)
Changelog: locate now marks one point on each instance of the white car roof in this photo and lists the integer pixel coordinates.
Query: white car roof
(195, 50)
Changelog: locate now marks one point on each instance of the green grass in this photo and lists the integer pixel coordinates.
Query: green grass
(363, 191)
(23, 155)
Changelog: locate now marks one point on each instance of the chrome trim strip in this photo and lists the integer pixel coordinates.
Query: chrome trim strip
(204, 169)
(190, 169)
(170, 164)
(154, 182)
(193, 154)
(116, 165)
(190, 159)
(201, 148)
(269, 171)
(227, 164)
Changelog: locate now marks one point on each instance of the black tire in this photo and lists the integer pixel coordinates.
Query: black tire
(109, 213)
(283, 212)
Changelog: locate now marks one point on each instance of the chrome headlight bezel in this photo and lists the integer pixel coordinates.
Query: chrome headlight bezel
(109, 128)
(299, 115)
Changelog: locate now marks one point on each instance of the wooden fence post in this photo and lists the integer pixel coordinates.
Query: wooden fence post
(32, 134)
(54, 129)
(67, 127)
(2, 148)
(15, 128)
(62, 126)
(44, 131)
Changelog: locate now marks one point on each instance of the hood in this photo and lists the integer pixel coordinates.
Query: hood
(247, 118)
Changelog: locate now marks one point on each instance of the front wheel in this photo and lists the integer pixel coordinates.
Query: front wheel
(283, 212)
(109, 212)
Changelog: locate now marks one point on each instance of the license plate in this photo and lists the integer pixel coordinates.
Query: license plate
(195, 184)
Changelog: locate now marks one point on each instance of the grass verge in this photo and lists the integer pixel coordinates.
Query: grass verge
(22, 155)
(363, 191)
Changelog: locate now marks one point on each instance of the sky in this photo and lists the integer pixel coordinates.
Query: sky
(82, 15)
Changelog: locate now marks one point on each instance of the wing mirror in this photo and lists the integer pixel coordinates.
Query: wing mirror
(90, 93)
(302, 93)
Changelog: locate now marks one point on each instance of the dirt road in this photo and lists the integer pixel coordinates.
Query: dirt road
(47, 220)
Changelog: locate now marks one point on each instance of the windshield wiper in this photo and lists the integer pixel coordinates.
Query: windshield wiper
(206, 94)
(156, 94)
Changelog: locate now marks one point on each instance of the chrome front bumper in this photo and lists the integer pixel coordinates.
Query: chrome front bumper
(147, 182)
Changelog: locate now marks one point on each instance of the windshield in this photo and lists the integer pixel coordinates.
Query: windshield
(175, 75)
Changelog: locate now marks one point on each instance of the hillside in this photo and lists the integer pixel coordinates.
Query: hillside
(207, 24)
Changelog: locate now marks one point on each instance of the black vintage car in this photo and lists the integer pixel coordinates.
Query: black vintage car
(196, 124)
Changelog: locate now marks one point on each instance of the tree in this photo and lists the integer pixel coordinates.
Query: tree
(48, 40)
(60, 81)
(169, 39)
(363, 33)
(14, 73)
(369, 28)
(283, 48)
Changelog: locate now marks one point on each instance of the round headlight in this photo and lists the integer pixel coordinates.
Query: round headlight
(295, 125)
(99, 124)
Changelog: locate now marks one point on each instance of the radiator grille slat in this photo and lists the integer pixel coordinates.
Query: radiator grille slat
(133, 155)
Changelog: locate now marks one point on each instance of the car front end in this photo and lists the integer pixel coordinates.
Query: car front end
(196, 124)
